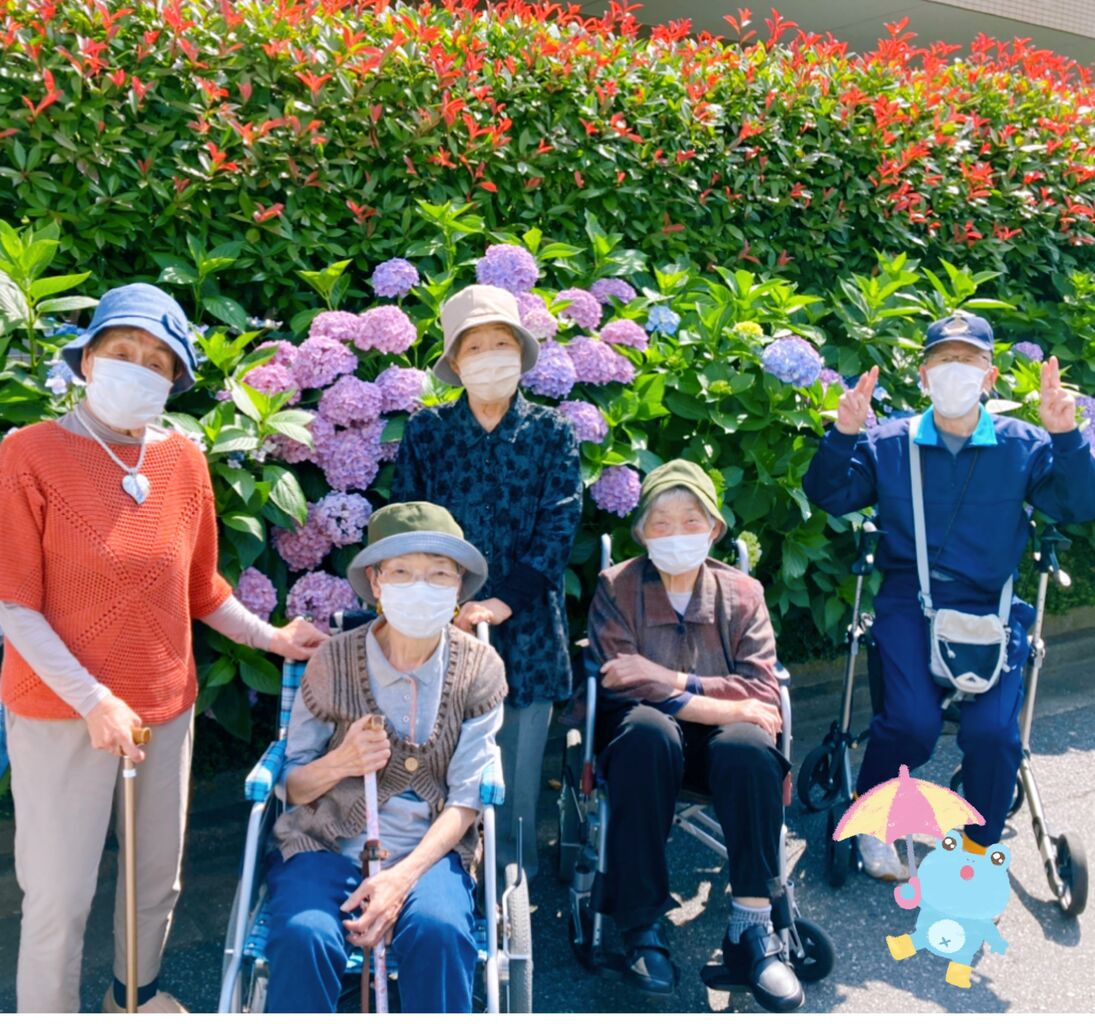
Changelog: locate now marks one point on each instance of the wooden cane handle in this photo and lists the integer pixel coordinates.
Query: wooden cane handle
(374, 722)
(141, 735)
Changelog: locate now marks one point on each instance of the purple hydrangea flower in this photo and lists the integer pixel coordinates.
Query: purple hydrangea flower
(320, 360)
(509, 267)
(256, 592)
(1031, 349)
(386, 329)
(271, 379)
(351, 458)
(584, 309)
(595, 363)
(624, 332)
(343, 517)
(827, 377)
(319, 595)
(1086, 407)
(401, 388)
(588, 422)
(285, 353)
(792, 359)
(663, 319)
(350, 401)
(389, 451)
(617, 490)
(394, 278)
(337, 324)
(553, 375)
(288, 450)
(535, 317)
(609, 288)
(305, 547)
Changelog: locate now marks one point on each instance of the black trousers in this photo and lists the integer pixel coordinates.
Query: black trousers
(645, 756)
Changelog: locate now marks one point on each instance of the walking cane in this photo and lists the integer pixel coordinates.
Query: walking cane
(141, 735)
(370, 865)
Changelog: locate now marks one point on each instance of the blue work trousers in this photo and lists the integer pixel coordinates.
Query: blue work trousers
(433, 942)
(906, 728)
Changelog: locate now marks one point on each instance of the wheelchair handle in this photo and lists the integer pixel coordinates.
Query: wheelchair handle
(869, 536)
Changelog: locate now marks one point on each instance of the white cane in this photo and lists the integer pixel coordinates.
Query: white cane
(141, 735)
(371, 866)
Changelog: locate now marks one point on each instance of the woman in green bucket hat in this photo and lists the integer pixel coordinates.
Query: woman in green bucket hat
(440, 694)
(689, 692)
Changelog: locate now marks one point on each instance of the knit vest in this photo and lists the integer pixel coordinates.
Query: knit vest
(336, 689)
(118, 582)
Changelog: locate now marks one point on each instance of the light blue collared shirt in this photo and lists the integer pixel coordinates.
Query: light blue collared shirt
(401, 697)
(984, 434)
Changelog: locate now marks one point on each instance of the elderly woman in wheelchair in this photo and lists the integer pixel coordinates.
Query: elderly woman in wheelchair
(689, 693)
(440, 693)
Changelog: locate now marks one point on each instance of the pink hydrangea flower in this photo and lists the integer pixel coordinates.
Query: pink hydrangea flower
(257, 592)
(321, 360)
(350, 401)
(624, 332)
(386, 329)
(318, 595)
(617, 490)
(305, 547)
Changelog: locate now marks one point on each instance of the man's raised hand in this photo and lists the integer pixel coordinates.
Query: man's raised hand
(855, 404)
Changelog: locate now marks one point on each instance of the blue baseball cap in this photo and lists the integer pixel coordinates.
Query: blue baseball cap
(960, 326)
(149, 308)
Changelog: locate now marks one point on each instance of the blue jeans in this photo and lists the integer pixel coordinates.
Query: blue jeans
(433, 942)
(906, 729)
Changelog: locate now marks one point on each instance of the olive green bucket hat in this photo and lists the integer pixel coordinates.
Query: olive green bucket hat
(411, 527)
(680, 473)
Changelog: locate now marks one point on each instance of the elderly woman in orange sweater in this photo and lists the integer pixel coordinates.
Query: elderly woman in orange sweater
(110, 551)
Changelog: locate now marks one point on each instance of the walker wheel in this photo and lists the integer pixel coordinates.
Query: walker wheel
(1017, 798)
(840, 857)
(1071, 862)
(819, 780)
(815, 961)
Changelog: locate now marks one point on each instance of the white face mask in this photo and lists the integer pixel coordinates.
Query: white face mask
(955, 388)
(680, 553)
(416, 609)
(492, 376)
(124, 395)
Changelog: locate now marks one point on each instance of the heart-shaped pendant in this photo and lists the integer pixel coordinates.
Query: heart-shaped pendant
(136, 485)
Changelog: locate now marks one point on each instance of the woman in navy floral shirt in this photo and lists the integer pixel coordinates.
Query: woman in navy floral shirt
(509, 473)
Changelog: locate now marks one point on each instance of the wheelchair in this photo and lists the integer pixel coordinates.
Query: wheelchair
(503, 929)
(582, 843)
(825, 779)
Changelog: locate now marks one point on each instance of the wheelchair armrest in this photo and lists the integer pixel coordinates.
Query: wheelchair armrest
(492, 787)
(262, 778)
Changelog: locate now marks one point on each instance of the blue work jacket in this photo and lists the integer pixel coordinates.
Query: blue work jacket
(976, 525)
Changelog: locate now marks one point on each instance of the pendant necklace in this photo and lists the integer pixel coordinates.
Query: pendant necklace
(134, 483)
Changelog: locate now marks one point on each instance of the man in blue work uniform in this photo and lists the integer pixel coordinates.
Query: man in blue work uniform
(978, 470)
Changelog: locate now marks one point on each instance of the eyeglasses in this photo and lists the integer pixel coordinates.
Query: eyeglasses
(442, 579)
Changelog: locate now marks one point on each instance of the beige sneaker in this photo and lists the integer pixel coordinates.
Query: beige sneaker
(161, 1002)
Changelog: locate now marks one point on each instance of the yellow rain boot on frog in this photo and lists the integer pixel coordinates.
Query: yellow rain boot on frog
(901, 946)
(958, 974)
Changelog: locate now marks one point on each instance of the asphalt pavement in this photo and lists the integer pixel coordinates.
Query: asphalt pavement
(1048, 967)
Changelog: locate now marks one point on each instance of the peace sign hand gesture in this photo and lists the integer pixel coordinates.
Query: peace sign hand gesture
(1058, 407)
(855, 405)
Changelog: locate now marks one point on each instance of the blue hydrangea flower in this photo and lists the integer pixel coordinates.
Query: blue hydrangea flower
(1031, 349)
(394, 278)
(793, 360)
(60, 378)
(663, 319)
(509, 267)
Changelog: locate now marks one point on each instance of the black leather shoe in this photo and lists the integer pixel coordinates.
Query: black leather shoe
(647, 963)
(760, 960)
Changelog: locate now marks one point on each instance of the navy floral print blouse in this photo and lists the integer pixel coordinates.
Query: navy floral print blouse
(516, 491)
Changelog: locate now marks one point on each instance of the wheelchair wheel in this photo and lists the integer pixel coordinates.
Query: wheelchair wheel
(815, 960)
(1017, 798)
(519, 988)
(1071, 862)
(819, 780)
(570, 826)
(840, 857)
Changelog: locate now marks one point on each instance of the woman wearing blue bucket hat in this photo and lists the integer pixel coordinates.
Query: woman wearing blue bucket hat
(111, 553)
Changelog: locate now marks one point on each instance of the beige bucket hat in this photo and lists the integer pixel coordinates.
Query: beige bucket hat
(474, 306)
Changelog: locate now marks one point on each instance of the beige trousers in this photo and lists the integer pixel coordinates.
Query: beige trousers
(64, 792)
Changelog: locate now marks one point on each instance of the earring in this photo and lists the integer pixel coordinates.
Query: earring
(456, 613)
(379, 609)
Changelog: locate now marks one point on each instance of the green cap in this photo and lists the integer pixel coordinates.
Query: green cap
(417, 526)
(681, 473)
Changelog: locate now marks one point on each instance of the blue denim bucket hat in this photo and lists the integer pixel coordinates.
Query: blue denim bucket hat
(151, 309)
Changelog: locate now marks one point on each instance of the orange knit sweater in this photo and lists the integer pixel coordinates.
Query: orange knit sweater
(119, 582)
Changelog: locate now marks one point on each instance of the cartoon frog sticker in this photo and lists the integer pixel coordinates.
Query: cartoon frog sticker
(959, 893)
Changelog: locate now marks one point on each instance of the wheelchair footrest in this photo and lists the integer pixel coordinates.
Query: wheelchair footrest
(717, 977)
